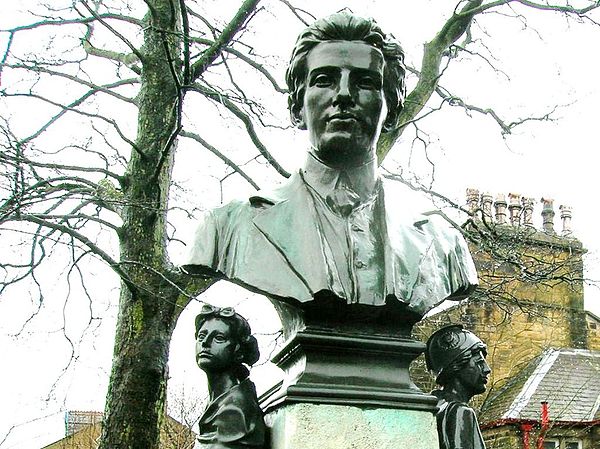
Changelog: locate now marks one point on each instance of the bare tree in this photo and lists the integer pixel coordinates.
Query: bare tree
(79, 181)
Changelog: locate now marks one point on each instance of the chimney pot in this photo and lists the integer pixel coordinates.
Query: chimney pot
(514, 208)
(548, 215)
(486, 206)
(472, 200)
(527, 211)
(500, 206)
(565, 215)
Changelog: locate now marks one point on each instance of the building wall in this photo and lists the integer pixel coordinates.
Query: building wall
(593, 331)
(530, 298)
(505, 437)
(510, 436)
(173, 435)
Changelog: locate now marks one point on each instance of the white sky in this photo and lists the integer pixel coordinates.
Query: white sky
(557, 160)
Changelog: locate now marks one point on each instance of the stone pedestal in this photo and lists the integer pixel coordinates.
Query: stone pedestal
(347, 383)
(325, 366)
(326, 426)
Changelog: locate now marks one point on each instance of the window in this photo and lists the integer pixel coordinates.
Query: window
(553, 443)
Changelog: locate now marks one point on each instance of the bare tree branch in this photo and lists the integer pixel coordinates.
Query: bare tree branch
(251, 62)
(296, 11)
(222, 99)
(107, 89)
(80, 238)
(221, 156)
(214, 51)
(453, 29)
(123, 39)
(72, 107)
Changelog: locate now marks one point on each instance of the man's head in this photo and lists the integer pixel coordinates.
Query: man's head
(457, 355)
(344, 68)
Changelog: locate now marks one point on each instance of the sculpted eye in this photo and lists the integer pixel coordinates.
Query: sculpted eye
(321, 80)
(369, 82)
(220, 338)
(201, 336)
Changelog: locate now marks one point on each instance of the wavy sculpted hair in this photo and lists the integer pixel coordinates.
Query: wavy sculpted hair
(241, 334)
(345, 26)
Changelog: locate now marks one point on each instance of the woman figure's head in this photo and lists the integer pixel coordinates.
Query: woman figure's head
(224, 342)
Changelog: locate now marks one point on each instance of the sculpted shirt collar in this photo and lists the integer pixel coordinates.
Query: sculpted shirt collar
(324, 179)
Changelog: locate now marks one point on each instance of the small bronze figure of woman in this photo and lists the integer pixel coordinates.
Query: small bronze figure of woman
(224, 347)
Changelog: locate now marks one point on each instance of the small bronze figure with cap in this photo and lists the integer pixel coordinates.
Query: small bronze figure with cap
(224, 347)
(456, 357)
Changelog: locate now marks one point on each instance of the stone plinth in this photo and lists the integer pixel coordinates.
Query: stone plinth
(328, 426)
(347, 383)
(325, 366)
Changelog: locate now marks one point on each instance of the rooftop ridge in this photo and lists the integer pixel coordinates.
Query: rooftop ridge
(531, 384)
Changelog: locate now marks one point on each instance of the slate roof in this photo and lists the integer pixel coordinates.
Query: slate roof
(568, 379)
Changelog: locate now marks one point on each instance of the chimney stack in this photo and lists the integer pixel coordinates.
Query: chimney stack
(565, 216)
(500, 206)
(527, 211)
(514, 208)
(548, 215)
(517, 211)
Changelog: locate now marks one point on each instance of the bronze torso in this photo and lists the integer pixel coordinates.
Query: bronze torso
(289, 243)
(233, 420)
(457, 424)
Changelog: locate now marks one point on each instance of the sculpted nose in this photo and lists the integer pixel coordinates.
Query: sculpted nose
(343, 95)
(486, 368)
(203, 342)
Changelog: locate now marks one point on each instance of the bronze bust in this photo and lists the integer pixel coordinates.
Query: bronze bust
(336, 227)
(224, 345)
(456, 357)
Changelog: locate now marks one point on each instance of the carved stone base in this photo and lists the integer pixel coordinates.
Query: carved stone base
(347, 382)
(327, 367)
(326, 426)
(350, 354)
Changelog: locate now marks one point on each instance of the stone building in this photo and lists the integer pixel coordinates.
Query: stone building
(83, 428)
(529, 310)
(557, 395)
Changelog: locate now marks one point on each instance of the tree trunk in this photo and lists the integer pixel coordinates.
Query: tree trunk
(135, 405)
(148, 312)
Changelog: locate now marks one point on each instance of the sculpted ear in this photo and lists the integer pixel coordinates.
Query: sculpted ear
(389, 123)
(297, 116)
(238, 353)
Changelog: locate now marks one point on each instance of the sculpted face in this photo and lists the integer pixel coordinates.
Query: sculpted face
(215, 348)
(474, 375)
(344, 104)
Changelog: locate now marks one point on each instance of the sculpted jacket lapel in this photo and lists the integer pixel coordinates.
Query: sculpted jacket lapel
(290, 225)
(408, 249)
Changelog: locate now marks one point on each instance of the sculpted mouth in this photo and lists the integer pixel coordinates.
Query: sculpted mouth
(343, 116)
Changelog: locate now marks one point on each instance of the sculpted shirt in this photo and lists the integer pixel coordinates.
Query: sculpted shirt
(349, 232)
(351, 238)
